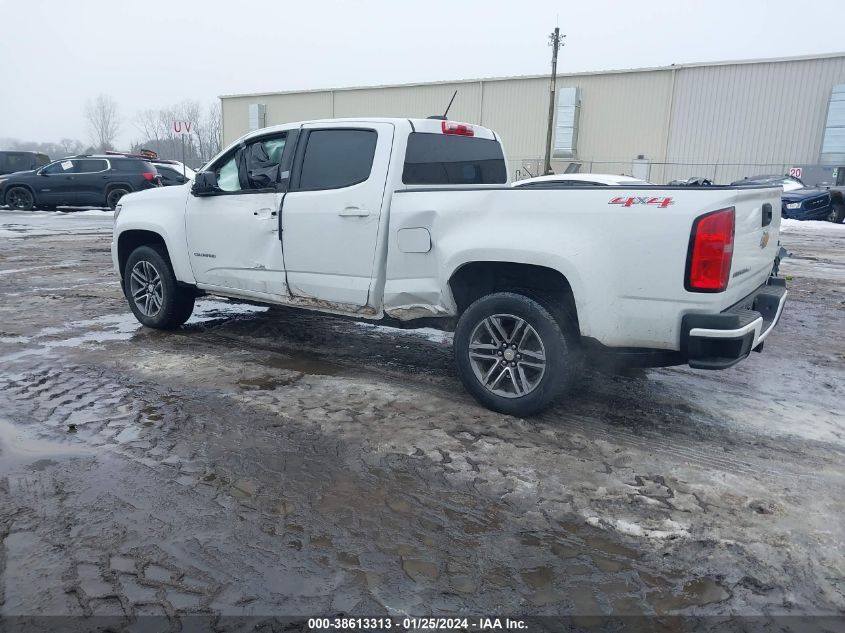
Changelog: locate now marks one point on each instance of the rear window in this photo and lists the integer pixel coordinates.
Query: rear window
(442, 159)
(89, 165)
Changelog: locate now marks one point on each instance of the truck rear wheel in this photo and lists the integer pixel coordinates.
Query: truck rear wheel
(512, 355)
(151, 289)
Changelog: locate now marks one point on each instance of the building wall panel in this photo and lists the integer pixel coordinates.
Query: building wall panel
(736, 120)
(412, 101)
(721, 121)
(281, 108)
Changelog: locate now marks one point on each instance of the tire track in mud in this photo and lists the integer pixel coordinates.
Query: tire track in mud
(442, 383)
(580, 552)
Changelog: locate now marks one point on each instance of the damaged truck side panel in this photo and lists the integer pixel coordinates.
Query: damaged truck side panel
(415, 220)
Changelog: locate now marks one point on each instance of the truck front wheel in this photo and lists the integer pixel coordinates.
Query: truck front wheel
(151, 289)
(837, 213)
(512, 355)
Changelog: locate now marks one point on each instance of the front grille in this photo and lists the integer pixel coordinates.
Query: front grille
(817, 203)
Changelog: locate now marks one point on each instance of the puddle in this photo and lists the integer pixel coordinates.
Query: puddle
(121, 326)
(698, 592)
(19, 446)
(312, 366)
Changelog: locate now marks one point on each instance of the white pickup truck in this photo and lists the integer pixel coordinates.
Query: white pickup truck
(413, 220)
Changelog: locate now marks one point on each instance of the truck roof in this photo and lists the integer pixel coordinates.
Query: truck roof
(430, 126)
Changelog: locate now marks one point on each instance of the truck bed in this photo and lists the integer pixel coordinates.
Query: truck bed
(623, 250)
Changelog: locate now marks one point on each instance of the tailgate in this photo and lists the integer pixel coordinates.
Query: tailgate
(755, 240)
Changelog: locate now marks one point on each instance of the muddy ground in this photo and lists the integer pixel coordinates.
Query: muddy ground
(277, 462)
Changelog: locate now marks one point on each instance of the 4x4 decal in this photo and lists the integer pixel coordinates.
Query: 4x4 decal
(631, 201)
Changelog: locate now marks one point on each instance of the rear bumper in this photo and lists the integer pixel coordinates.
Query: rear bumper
(719, 341)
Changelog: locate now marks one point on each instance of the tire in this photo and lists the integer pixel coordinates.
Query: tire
(20, 198)
(150, 287)
(114, 195)
(544, 363)
(837, 213)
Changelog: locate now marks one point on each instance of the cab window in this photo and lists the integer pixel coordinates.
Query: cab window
(227, 175)
(254, 167)
(60, 167)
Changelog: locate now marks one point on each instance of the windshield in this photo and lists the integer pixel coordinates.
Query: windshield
(791, 184)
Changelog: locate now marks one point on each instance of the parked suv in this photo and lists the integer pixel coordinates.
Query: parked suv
(13, 161)
(95, 181)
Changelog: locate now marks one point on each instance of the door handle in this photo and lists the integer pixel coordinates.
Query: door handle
(271, 214)
(354, 212)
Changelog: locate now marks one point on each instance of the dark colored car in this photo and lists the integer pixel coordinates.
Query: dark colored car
(12, 161)
(830, 178)
(797, 201)
(95, 181)
(172, 172)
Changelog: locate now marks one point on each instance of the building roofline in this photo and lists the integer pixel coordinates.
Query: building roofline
(734, 62)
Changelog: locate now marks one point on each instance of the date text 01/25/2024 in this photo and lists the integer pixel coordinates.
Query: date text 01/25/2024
(410, 623)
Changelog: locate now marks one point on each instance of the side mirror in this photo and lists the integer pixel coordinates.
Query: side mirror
(205, 184)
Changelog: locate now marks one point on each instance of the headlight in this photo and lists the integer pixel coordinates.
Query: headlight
(117, 209)
(791, 205)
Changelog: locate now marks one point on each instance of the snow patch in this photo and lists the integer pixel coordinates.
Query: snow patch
(809, 226)
(214, 309)
(429, 333)
(667, 529)
(97, 213)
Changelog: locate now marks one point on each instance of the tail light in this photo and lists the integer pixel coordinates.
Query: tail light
(149, 176)
(711, 249)
(458, 129)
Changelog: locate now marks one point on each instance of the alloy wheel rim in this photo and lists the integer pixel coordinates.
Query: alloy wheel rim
(507, 355)
(19, 199)
(146, 288)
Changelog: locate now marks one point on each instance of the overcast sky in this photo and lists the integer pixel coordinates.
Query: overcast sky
(56, 55)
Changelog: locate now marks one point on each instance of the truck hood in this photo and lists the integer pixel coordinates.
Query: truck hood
(27, 172)
(157, 194)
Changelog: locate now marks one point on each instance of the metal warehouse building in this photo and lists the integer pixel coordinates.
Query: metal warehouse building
(721, 120)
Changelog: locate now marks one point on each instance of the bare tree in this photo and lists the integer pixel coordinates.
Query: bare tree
(70, 146)
(212, 129)
(103, 121)
(157, 133)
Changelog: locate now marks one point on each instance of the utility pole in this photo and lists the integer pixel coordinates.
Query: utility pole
(555, 43)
